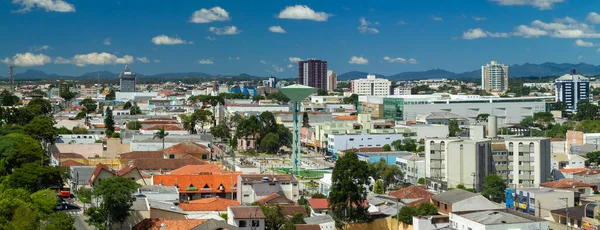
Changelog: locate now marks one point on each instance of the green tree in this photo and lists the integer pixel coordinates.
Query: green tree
(33, 177)
(221, 131)
(348, 192)
(202, 117)
(24, 218)
(80, 115)
(118, 194)
(44, 201)
(39, 106)
(127, 105)
(427, 209)
(290, 224)
(390, 174)
(8, 99)
(378, 188)
(406, 213)
(161, 134)
(353, 99)
(482, 117)
(42, 128)
(493, 187)
(89, 104)
(79, 130)
(279, 96)
(96, 217)
(387, 148)
(267, 123)
(421, 181)
(274, 216)
(397, 145)
(592, 157)
(109, 121)
(111, 95)
(322, 92)
(586, 111)
(453, 128)
(270, 143)
(305, 122)
(189, 123)
(63, 130)
(134, 125)
(19, 149)
(285, 135)
(68, 96)
(135, 109)
(318, 195)
(115, 135)
(59, 221)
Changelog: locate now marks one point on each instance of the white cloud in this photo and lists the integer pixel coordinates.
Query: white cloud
(479, 18)
(95, 59)
(303, 12)
(294, 59)
(394, 60)
(47, 5)
(210, 15)
(40, 48)
(166, 40)
(479, 33)
(364, 27)
(540, 4)
(401, 23)
(156, 61)
(227, 30)
(278, 69)
(529, 32)
(358, 60)
(435, 18)
(210, 38)
(560, 28)
(290, 66)
(263, 62)
(412, 61)
(593, 17)
(106, 42)
(28, 59)
(277, 29)
(205, 62)
(143, 60)
(582, 43)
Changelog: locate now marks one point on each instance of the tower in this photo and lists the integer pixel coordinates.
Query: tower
(313, 73)
(128, 80)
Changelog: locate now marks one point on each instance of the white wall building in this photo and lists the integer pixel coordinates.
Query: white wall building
(412, 167)
(253, 187)
(402, 90)
(500, 219)
(337, 142)
(494, 77)
(371, 86)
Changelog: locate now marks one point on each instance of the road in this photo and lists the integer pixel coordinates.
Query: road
(72, 208)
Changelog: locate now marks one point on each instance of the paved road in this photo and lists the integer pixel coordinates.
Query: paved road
(72, 208)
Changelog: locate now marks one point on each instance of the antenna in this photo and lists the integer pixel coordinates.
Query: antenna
(12, 79)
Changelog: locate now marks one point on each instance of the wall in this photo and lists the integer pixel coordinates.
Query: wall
(343, 142)
(110, 162)
(114, 147)
(378, 224)
(159, 213)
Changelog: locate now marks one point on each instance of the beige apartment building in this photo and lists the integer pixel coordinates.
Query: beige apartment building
(494, 77)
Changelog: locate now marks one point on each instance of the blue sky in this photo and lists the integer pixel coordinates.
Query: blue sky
(72, 37)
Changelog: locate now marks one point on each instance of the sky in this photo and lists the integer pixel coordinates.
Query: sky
(267, 38)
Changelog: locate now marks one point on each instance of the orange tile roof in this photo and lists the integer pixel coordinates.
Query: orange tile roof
(346, 118)
(419, 202)
(271, 199)
(207, 183)
(208, 204)
(411, 192)
(573, 170)
(155, 224)
(199, 169)
(187, 147)
(166, 164)
(99, 125)
(166, 127)
(318, 203)
(565, 183)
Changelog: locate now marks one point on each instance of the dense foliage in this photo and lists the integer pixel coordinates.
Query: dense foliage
(348, 191)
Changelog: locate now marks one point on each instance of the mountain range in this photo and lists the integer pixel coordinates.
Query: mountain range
(523, 70)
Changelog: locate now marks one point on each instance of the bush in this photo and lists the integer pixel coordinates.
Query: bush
(421, 181)
(116, 135)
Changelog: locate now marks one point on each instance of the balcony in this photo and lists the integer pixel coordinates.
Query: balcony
(510, 158)
(526, 167)
(500, 158)
(501, 167)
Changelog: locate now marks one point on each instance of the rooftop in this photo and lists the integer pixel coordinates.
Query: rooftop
(499, 216)
(258, 178)
(155, 224)
(166, 127)
(208, 204)
(206, 183)
(212, 224)
(565, 183)
(411, 192)
(247, 212)
(318, 203)
(318, 219)
(199, 169)
(453, 196)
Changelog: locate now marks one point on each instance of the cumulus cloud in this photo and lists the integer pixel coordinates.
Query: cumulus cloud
(40, 48)
(294, 59)
(106, 42)
(277, 29)
(412, 61)
(210, 38)
(479, 33)
(47, 5)
(166, 40)
(364, 27)
(290, 66)
(436, 18)
(227, 30)
(27, 59)
(263, 62)
(205, 62)
(479, 18)
(156, 61)
(528, 32)
(559, 28)
(540, 4)
(143, 60)
(394, 60)
(358, 60)
(210, 15)
(277, 68)
(103, 58)
(303, 12)
(593, 17)
(582, 43)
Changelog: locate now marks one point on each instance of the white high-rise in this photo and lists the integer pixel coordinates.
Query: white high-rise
(494, 77)
(372, 86)
(331, 80)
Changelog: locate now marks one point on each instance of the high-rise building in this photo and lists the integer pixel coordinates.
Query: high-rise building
(494, 77)
(127, 80)
(313, 73)
(272, 82)
(572, 88)
(371, 85)
(63, 87)
(331, 80)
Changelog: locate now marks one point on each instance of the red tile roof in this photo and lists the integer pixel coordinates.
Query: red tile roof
(141, 154)
(290, 210)
(187, 147)
(166, 127)
(99, 168)
(419, 202)
(411, 192)
(202, 183)
(199, 169)
(572, 170)
(274, 198)
(69, 163)
(155, 224)
(565, 183)
(149, 164)
(346, 118)
(247, 212)
(208, 204)
(318, 203)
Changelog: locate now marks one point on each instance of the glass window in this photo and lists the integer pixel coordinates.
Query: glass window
(242, 223)
(255, 223)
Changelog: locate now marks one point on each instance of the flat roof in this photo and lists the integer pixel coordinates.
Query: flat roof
(493, 217)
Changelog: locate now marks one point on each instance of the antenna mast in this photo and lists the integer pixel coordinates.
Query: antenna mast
(12, 79)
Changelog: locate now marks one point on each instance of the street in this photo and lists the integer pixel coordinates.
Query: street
(72, 207)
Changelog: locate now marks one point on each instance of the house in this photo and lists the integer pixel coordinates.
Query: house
(290, 210)
(187, 147)
(319, 206)
(139, 210)
(103, 172)
(324, 222)
(540, 201)
(215, 225)
(213, 205)
(496, 219)
(164, 209)
(384, 204)
(275, 198)
(307, 227)
(430, 222)
(458, 200)
(80, 176)
(167, 223)
(159, 192)
(192, 187)
(246, 217)
(572, 185)
(258, 186)
(575, 215)
(567, 172)
(568, 161)
(171, 129)
(412, 193)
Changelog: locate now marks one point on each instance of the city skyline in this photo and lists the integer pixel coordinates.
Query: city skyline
(72, 38)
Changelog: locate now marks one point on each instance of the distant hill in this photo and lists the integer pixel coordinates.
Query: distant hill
(31, 73)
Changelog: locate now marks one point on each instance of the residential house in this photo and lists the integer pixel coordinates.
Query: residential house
(412, 167)
(540, 201)
(193, 187)
(568, 161)
(574, 214)
(458, 200)
(139, 210)
(164, 209)
(246, 217)
(567, 172)
(496, 219)
(103, 172)
(213, 224)
(413, 195)
(199, 169)
(159, 192)
(383, 204)
(431, 222)
(275, 198)
(213, 205)
(254, 187)
(325, 222)
(319, 206)
(171, 129)
(325, 184)
(80, 176)
(590, 176)
(582, 188)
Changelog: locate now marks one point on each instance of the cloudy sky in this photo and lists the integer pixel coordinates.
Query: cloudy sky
(263, 38)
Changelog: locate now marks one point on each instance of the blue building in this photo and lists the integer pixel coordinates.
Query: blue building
(572, 88)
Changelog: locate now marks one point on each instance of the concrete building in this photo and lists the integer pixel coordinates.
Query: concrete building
(272, 82)
(494, 77)
(331, 80)
(371, 85)
(127, 80)
(572, 88)
(539, 201)
(576, 141)
(522, 162)
(313, 73)
(87, 91)
(412, 167)
(400, 90)
(373, 157)
(495, 220)
(254, 187)
(458, 200)
(246, 218)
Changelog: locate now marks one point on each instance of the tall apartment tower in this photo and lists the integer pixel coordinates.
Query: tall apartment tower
(127, 80)
(572, 88)
(494, 77)
(63, 87)
(331, 80)
(313, 73)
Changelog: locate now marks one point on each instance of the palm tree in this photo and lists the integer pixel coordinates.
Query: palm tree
(161, 134)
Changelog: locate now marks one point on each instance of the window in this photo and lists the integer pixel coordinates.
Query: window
(242, 223)
(255, 223)
(445, 206)
(171, 156)
(246, 195)
(351, 139)
(531, 145)
(133, 178)
(520, 144)
(204, 157)
(510, 144)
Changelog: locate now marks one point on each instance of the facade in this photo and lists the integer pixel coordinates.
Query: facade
(522, 162)
(402, 91)
(272, 82)
(494, 77)
(89, 92)
(371, 85)
(539, 201)
(128, 80)
(246, 218)
(258, 186)
(63, 87)
(331, 80)
(572, 88)
(495, 220)
(458, 200)
(412, 167)
(313, 73)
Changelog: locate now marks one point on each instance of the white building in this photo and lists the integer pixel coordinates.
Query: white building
(494, 77)
(412, 167)
(331, 80)
(499, 219)
(246, 218)
(572, 88)
(253, 187)
(402, 90)
(371, 86)
(337, 142)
